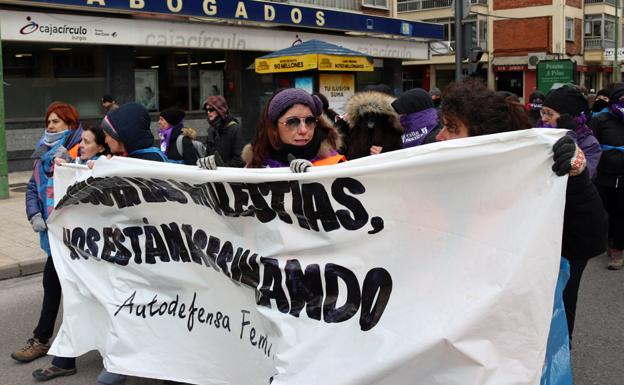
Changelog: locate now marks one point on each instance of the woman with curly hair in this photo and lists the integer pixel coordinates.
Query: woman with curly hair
(471, 109)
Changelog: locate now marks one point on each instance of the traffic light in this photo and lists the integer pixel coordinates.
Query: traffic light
(474, 62)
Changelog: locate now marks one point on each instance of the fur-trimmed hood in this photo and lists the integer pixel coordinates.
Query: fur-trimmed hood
(325, 150)
(371, 102)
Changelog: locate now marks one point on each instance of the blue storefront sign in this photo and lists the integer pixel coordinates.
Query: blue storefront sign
(258, 11)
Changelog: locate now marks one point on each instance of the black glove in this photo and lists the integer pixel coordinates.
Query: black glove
(298, 165)
(564, 152)
(211, 162)
(567, 121)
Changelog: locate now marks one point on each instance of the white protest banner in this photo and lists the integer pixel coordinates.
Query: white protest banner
(431, 265)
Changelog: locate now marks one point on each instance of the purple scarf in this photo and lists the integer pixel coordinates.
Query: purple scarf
(164, 136)
(417, 126)
(581, 130)
(617, 109)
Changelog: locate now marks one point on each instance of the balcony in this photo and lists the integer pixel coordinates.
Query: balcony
(610, 2)
(417, 5)
(350, 5)
(598, 43)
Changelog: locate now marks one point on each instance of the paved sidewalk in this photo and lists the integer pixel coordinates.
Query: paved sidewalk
(19, 245)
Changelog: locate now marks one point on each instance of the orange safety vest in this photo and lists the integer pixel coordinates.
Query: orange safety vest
(330, 160)
(73, 152)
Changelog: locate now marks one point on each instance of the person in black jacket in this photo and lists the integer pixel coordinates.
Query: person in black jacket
(608, 127)
(471, 109)
(171, 134)
(224, 133)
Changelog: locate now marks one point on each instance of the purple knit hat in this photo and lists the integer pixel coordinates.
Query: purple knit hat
(287, 98)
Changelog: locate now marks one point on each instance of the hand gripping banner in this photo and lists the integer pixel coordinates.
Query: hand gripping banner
(431, 265)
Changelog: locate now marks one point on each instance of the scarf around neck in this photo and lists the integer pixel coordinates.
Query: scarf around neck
(279, 158)
(165, 136)
(417, 126)
(50, 139)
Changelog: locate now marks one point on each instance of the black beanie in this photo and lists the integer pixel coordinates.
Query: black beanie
(536, 95)
(604, 92)
(567, 100)
(414, 100)
(173, 116)
(617, 93)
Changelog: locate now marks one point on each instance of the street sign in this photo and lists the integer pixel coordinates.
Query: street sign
(609, 54)
(550, 72)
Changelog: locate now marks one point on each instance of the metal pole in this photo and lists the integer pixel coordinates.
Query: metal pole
(616, 66)
(4, 165)
(458, 40)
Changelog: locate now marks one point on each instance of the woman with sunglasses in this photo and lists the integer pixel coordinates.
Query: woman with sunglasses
(225, 139)
(292, 127)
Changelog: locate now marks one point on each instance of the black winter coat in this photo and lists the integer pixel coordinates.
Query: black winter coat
(609, 129)
(189, 154)
(585, 222)
(226, 138)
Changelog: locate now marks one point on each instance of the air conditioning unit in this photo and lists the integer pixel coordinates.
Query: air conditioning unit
(534, 58)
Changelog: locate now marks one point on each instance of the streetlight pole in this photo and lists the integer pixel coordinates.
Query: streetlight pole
(616, 66)
(459, 39)
(4, 165)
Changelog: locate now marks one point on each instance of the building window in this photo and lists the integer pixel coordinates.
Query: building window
(180, 79)
(569, 29)
(375, 3)
(599, 31)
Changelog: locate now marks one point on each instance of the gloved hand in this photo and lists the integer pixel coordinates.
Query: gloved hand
(567, 121)
(37, 223)
(568, 157)
(210, 162)
(62, 153)
(298, 165)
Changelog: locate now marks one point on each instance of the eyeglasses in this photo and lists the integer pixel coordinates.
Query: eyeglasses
(210, 109)
(546, 114)
(294, 122)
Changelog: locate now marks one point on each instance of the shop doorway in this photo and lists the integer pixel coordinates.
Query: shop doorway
(512, 81)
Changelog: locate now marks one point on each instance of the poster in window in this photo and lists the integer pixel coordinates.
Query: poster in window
(306, 84)
(146, 88)
(337, 88)
(211, 83)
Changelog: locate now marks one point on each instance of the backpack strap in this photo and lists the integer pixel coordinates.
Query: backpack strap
(151, 150)
(179, 145)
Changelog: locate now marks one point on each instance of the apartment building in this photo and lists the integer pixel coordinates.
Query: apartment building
(514, 36)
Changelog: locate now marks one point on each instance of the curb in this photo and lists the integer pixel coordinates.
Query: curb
(22, 269)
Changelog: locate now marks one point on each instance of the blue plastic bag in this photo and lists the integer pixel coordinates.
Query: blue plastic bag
(557, 369)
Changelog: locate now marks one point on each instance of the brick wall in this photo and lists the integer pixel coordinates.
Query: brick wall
(575, 3)
(575, 47)
(509, 4)
(517, 37)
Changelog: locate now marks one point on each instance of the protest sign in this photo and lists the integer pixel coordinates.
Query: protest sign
(433, 265)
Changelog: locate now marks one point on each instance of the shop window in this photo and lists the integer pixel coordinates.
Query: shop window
(178, 79)
(38, 74)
